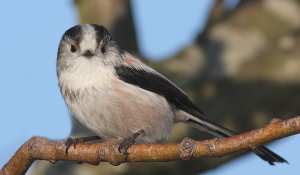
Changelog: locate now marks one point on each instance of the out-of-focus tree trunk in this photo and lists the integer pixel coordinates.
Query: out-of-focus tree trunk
(113, 14)
(243, 60)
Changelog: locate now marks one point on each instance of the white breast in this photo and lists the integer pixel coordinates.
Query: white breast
(85, 74)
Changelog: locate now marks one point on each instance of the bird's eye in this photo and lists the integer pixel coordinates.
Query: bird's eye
(103, 49)
(73, 48)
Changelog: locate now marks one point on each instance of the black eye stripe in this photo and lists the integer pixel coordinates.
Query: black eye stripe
(74, 33)
(102, 34)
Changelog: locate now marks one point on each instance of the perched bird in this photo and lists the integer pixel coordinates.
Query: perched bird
(114, 94)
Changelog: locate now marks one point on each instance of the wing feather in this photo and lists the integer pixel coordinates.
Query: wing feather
(137, 73)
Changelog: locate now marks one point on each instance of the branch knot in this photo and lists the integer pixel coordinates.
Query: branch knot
(187, 148)
(111, 153)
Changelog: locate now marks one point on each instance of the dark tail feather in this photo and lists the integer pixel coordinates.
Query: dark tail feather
(268, 155)
(219, 131)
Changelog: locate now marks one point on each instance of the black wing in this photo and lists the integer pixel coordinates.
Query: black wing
(154, 82)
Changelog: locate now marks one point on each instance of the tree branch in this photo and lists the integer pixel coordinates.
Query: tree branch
(39, 148)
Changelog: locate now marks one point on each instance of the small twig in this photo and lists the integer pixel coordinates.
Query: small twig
(39, 148)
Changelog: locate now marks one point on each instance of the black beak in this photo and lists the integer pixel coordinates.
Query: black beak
(88, 54)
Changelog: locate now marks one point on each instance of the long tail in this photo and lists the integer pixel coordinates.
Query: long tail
(220, 131)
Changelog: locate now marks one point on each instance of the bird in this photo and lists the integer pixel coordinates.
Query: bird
(115, 94)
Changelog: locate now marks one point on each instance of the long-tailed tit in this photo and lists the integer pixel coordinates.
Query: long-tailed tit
(115, 94)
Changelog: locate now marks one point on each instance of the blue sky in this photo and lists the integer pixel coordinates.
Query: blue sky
(30, 101)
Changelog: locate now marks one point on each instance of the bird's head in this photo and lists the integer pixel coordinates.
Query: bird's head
(85, 46)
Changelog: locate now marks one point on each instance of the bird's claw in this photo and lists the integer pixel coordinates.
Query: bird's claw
(127, 142)
(74, 141)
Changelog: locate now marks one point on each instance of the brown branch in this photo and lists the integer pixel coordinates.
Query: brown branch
(39, 148)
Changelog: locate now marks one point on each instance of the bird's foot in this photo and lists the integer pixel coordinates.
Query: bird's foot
(127, 142)
(74, 141)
